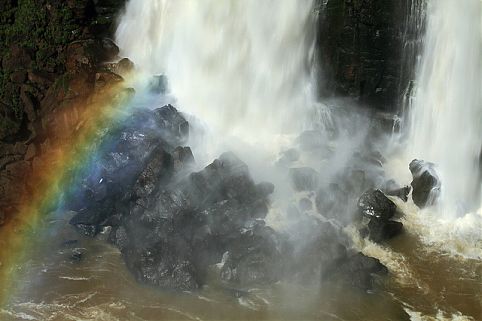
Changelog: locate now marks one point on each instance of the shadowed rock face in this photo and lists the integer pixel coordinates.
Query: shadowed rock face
(360, 45)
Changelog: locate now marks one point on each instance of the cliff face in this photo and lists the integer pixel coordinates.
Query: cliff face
(50, 62)
(360, 50)
(53, 50)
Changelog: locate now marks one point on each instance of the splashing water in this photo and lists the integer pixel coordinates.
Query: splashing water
(446, 112)
(242, 67)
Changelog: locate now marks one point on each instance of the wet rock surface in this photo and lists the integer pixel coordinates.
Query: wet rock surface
(379, 210)
(173, 226)
(425, 184)
(374, 204)
(360, 50)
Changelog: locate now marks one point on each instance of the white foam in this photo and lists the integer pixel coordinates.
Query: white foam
(446, 114)
(241, 67)
(460, 236)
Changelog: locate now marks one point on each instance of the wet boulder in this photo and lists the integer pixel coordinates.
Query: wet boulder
(162, 264)
(254, 258)
(425, 184)
(225, 178)
(157, 170)
(89, 221)
(374, 204)
(175, 230)
(174, 127)
(182, 158)
(379, 210)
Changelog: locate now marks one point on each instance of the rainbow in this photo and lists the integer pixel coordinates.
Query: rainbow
(50, 179)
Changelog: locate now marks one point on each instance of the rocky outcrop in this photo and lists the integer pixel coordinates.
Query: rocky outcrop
(360, 50)
(425, 184)
(47, 76)
(379, 210)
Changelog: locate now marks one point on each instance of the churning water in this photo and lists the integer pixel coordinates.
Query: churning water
(446, 113)
(445, 125)
(243, 69)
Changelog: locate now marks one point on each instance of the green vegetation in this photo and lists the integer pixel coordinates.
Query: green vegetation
(41, 26)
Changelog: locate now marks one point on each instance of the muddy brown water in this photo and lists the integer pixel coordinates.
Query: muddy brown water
(422, 285)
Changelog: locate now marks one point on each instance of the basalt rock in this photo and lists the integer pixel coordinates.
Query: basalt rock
(171, 229)
(173, 235)
(255, 257)
(379, 210)
(426, 184)
(360, 46)
(133, 160)
(375, 204)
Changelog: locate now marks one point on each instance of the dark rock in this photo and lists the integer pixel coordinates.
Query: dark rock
(182, 158)
(304, 178)
(360, 47)
(381, 230)
(255, 258)
(88, 54)
(108, 50)
(174, 126)
(89, 221)
(158, 168)
(374, 204)
(426, 184)
(122, 67)
(225, 178)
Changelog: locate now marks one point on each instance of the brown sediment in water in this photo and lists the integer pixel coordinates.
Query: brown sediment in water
(99, 287)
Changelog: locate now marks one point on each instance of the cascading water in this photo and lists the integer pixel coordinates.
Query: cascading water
(242, 67)
(446, 112)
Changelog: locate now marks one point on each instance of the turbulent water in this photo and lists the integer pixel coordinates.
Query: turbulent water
(446, 114)
(444, 124)
(243, 67)
(243, 72)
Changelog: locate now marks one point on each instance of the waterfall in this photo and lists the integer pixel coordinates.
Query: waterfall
(446, 111)
(242, 67)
